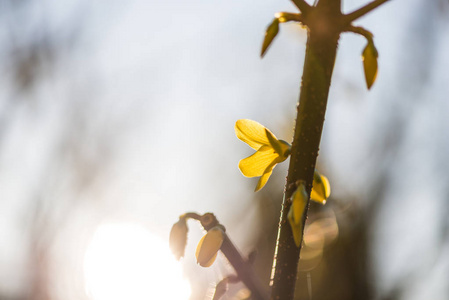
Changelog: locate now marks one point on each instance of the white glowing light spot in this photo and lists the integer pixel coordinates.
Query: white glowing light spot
(125, 261)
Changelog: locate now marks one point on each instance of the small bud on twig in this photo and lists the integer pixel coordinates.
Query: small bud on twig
(208, 247)
(178, 237)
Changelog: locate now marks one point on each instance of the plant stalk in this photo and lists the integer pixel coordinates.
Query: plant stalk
(244, 270)
(242, 266)
(318, 66)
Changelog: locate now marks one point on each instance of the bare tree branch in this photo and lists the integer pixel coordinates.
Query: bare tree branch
(363, 10)
(302, 5)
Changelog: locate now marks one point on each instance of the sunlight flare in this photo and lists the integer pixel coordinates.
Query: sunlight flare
(125, 261)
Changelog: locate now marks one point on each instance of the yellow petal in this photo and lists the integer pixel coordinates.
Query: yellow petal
(178, 238)
(281, 147)
(299, 202)
(207, 264)
(266, 175)
(321, 188)
(286, 150)
(295, 214)
(256, 164)
(208, 247)
(252, 133)
(296, 229)
(274, 142)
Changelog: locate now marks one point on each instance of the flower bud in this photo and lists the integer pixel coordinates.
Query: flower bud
(295, 214)
(208, 247)
(321, 188)
(178, 238)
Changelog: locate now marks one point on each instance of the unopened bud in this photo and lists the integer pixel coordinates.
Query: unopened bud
(178, 238)
(321, 188)
(296, 212)
(208, 247)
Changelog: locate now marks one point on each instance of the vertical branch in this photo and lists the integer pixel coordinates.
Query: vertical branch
(319, 62)
(325, 22)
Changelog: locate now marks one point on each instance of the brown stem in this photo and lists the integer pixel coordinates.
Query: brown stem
(360, 30)
(319, 63)
(363, 10)
(242, 266)
(325, 22)
(333, 6)
(302, 5)
(244, 270)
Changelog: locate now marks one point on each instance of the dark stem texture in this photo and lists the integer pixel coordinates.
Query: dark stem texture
(319, 63)
(325, 23)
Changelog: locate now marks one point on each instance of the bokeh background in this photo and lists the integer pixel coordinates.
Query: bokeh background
(117, 116)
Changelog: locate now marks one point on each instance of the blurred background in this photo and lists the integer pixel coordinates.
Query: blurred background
(117, 116)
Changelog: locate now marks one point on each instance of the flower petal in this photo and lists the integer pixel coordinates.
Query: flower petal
(321, 189)
(274, 142)
(266, 175)
(299, 203)
(256, 164)
(295, 214)
(296, 229)
(208, 247)
(252, 133)
(280, 146)
(285, 150)
(178, 238)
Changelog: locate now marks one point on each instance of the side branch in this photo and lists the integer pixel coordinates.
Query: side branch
(244, 270)
(284, 17)
(302, 5)
(359, 30)
(242, 266)
(363, 10)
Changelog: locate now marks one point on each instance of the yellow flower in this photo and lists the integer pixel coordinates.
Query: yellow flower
(321, 188)
(207, 249)
(269, 150)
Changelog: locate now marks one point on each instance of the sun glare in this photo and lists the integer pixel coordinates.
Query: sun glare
(125, 261)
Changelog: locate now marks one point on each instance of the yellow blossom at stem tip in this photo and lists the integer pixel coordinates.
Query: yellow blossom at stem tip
(269, 150)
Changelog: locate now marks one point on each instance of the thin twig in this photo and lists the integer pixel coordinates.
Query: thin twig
(242, 266)
(244, 270)
(359, 30)
(363, 10)
(191, 215)
(287, 17)
(302, 5)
